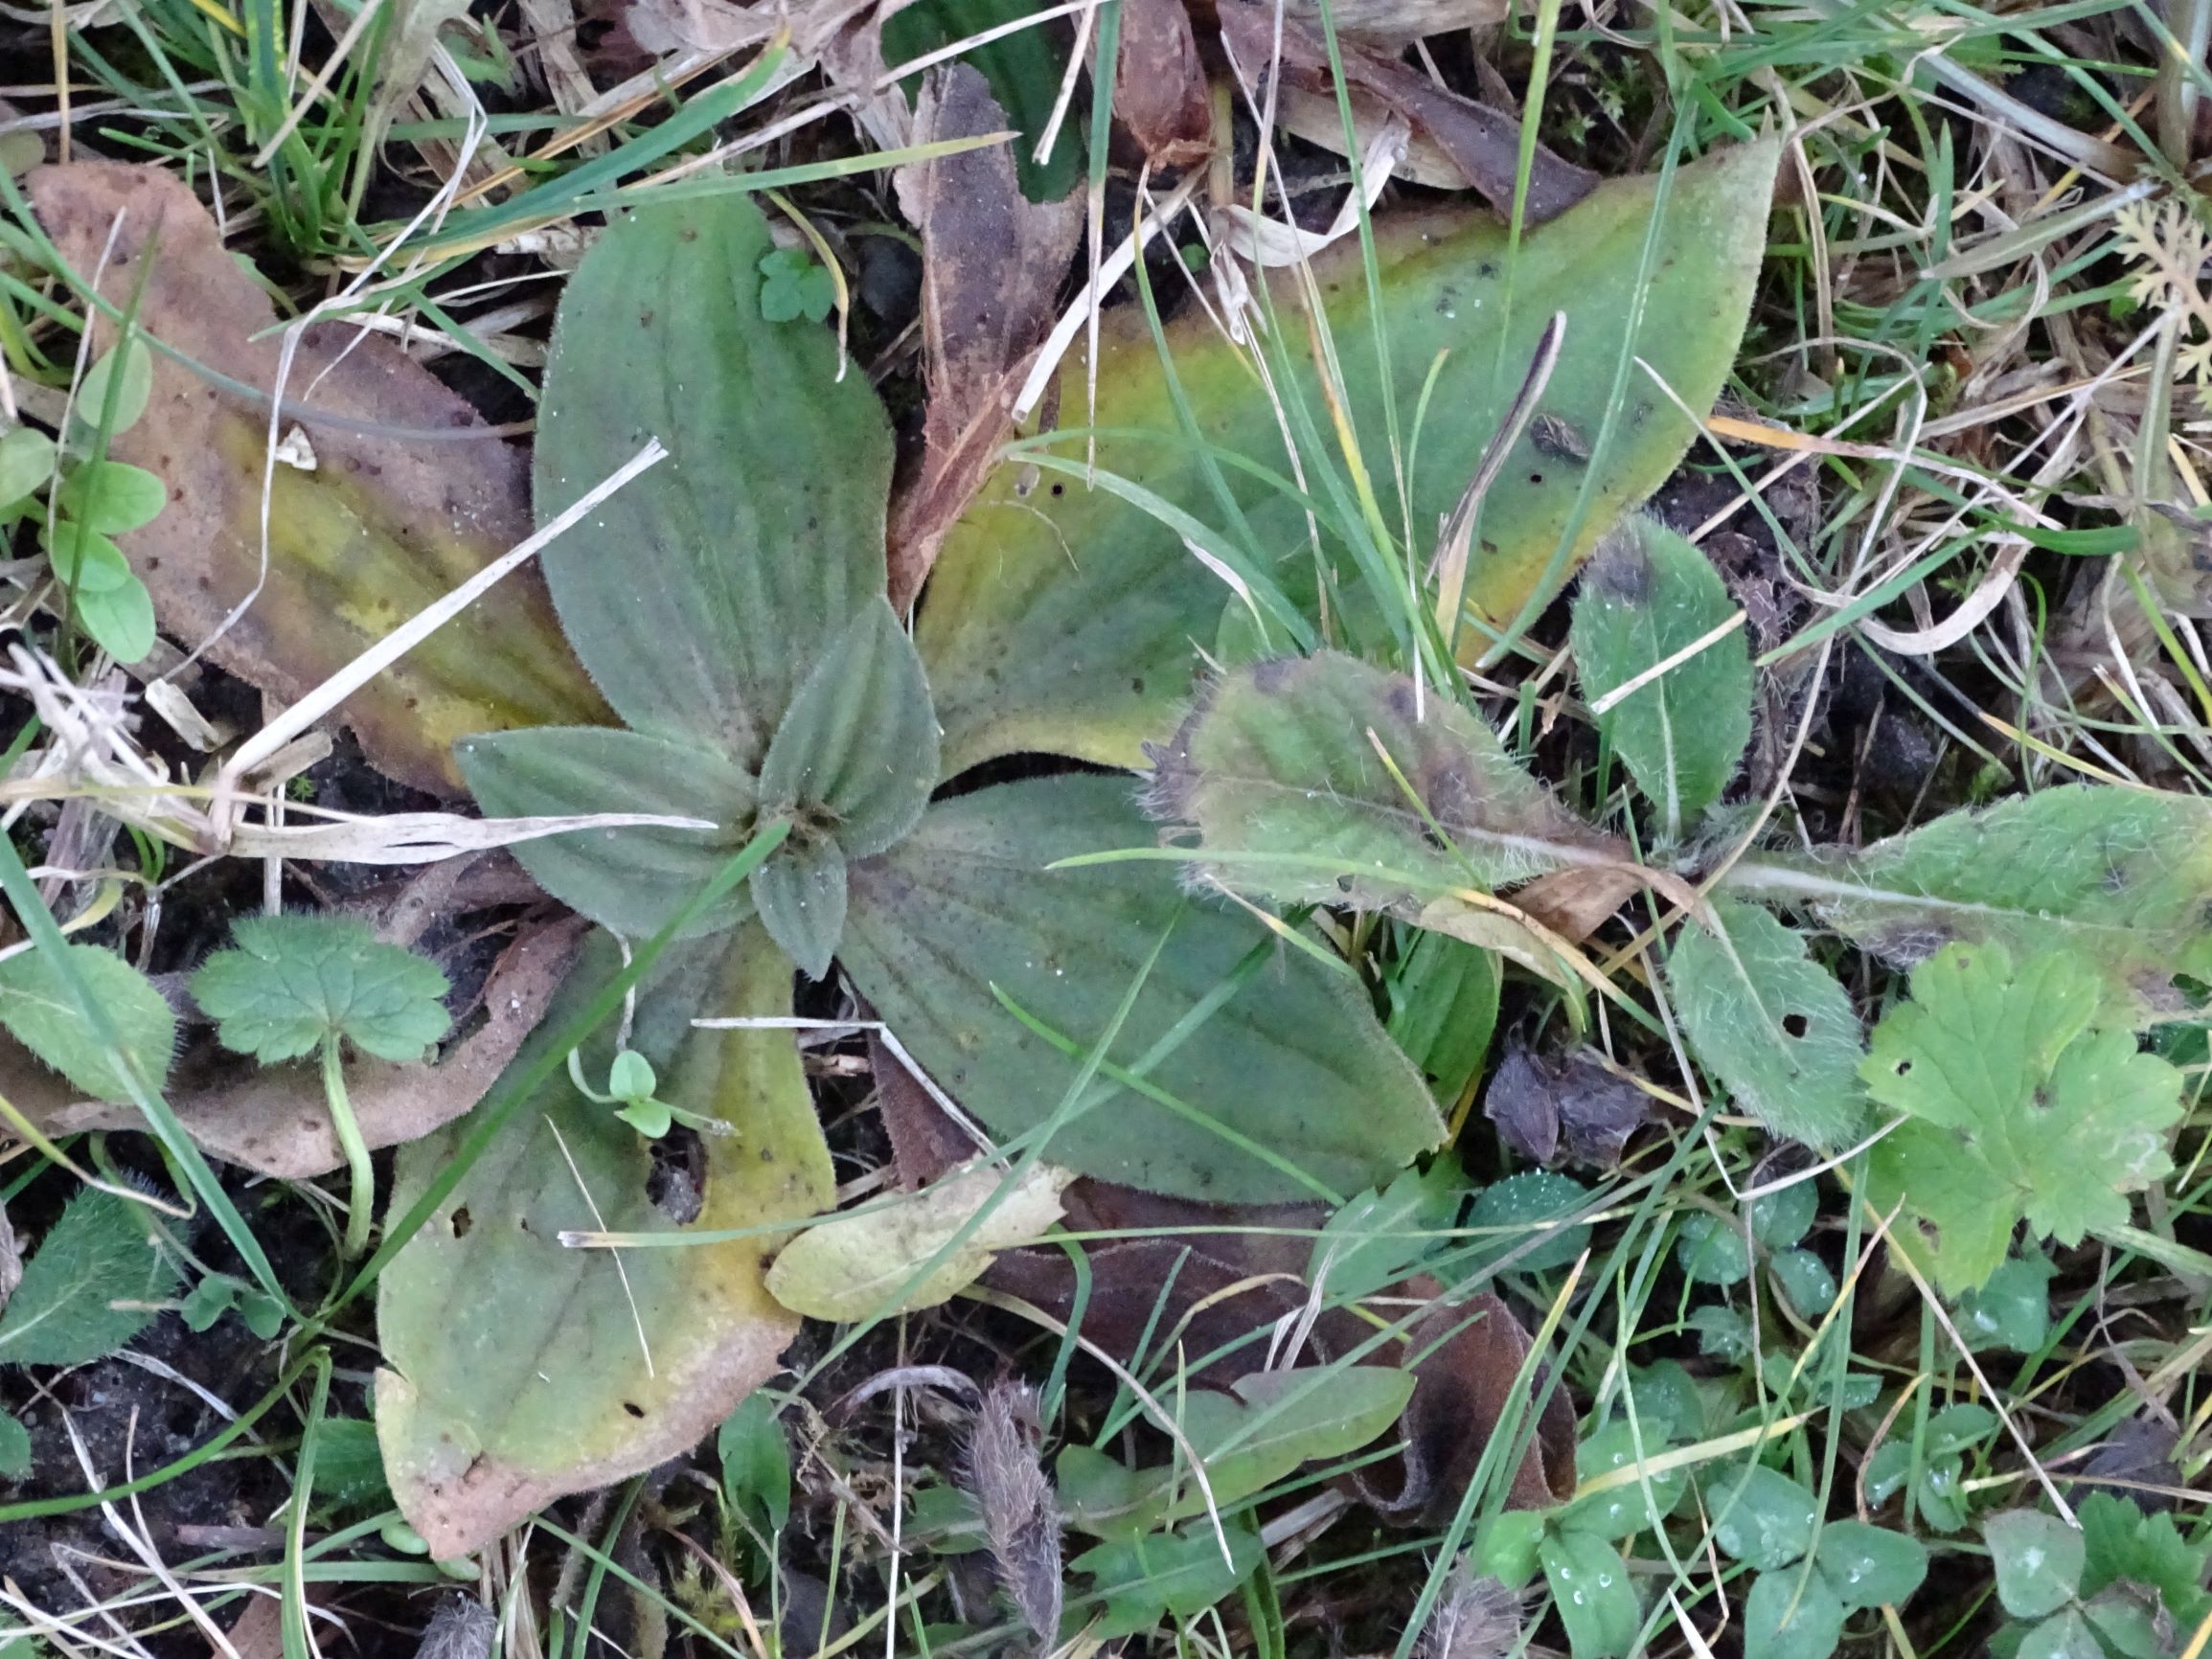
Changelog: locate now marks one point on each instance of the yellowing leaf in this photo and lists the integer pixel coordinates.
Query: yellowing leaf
(868, 1266)
(2019, 1106)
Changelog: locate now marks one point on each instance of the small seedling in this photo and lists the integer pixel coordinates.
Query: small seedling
(218, 1293)
(795, 286)
(295, 984)
(630, 1089)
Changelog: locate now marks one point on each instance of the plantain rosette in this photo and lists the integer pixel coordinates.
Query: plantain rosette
(730, 606)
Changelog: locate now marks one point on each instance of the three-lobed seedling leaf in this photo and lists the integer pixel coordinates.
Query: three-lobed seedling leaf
(291, 985)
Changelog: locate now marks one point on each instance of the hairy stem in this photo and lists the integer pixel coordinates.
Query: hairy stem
(361, 1200)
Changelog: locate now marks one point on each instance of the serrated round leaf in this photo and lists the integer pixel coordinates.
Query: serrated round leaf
(1028, 653)
(113, 496)
(857, 751)
(119, 620)
(1520, 1206)
(1595, 1597)
(800, 896)
(515, 1367)
(868, 1266)
(1792, 1615)
(26, 463)
(2038, 1559)
(630, 881)
(1770, 1023)
(1296, 1059)
(1867, 1566)
(1647, 595)
(701, 595)
(1761, 1517)
(1805, 1279)
(41, 1009)
(289, 981)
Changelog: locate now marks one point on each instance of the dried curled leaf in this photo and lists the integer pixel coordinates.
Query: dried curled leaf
(403, 505)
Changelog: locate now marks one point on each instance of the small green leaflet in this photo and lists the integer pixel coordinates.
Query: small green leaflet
(1761, 1517)
(1770, 1023)
(2022, 1106)
(65, 1311)
(1648, 596)
(793, 285)
(40, 1010)
(1593, 1593)
(218, 1293)
(1141, 1581)
(756, 1463)
(15, 1449)
(1791, 1614)
(293, 980)
(2038, 1561)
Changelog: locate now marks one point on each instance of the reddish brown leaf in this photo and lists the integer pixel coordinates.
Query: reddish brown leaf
(403, 505)
(992, 262)
(1159, 85)
(1483, 144)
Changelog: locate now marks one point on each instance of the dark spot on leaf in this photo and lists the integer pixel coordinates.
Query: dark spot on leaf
(645, 319)
(1795, 1024)
(1059, 490)
(462, 1223)
(633, 1408)
(1536, 478)
(1137, 684)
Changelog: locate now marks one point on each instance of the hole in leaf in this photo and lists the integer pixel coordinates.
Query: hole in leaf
(677, 1184)
(1536, 478)
(633, 1408)
(462, 1223)
(1795, 1024)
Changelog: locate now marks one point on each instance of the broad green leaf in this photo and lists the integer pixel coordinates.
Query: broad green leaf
(1647, 595)
(630, 881)
(1770, 1023)
(1623, 1512)
(113, 496)
(701, 595)
(855, 757)
(1710, 1250)
(15, 1449)
(26, 463)
(1378, 1237)
(756, 1462)
(1247, 1440)
(2039, 1560)
(1444, 1010)
(1761, 1517)
(83, 1294)
(1524, 1211)
(1867, 1566)
(289, 981)
(123, 376)
(1595, 1597)
(2018, 1106)
(800, 896)
(1293, 1060)
(2121, 1543)
(1139, 1582)
(1505, 1546)
(85, 560)
(1277, 774)
(120, 620)
(42, 1013)
(2013, 1309)
(868, 1266)
(2064, 1635)
(1023, 69)
(517, 1368)
(2118, 878)
(1062, 618)
(1793, 1614)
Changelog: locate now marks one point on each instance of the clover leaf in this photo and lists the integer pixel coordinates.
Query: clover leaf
(794, 285)
(295, 984)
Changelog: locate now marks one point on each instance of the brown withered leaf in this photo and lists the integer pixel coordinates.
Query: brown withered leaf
(274, 1119)
(1545, 1107)
(992, 262)
(1483, 143)
(1400, 22)
(405, 502)
(1574, 903)
(1211, 1282)
(1160, 91)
